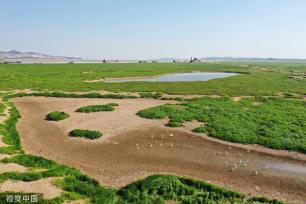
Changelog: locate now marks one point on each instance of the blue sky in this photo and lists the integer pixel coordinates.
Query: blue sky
(134, 29)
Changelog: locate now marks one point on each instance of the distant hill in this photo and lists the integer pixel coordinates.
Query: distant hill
(17, 55)
(246, 59)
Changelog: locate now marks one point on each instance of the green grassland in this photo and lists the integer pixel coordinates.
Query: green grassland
(155, 189)
(278, 123)
(258, 78)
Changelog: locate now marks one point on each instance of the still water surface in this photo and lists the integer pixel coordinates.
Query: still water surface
(194, 76)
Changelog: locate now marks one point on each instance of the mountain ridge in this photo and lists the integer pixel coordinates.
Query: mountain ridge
(15, 54)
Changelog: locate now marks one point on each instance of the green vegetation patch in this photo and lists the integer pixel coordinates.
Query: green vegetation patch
(259, 78)
(150, 95)
(68, 95)
(85, 133)
(278, 123)
(2, 107)
(74, 182)
(97, 108)
(9, 131)
(57, 115)
(158, 188)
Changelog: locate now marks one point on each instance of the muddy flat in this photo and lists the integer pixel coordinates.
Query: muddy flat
(134, 148)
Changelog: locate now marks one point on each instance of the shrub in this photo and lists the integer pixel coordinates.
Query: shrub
(57, 115)
(96, 108)
(85, 133)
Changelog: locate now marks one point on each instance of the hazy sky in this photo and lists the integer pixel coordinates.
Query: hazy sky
(129, 29)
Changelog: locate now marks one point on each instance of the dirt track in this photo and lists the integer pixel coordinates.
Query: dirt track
(134, 148)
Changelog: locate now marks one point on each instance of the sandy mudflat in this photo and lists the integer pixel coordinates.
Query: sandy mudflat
(11, 167)
(134, 148)
(43, 186)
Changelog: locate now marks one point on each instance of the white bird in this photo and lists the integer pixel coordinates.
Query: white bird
(254, 173)
(235, 166)
(151, 145)
(226, 152)
(171, 135)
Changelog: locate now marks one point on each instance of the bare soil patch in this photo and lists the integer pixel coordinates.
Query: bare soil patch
(134, 148)
(2, 156)
(43, 186)
(11, 167)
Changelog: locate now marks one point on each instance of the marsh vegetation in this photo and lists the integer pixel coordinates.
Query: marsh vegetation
(57, 115)
(89, 134)
(97, 108)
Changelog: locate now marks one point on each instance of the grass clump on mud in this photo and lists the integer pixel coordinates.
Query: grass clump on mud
(156, 95)
(69, 95)
(57, 115)
(159, 188)
(97, 108)
(277, 123)
(90, 134)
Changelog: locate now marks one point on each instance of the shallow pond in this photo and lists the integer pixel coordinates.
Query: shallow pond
(193, 76)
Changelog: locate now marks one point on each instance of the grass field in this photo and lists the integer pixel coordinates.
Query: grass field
(259, 78)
